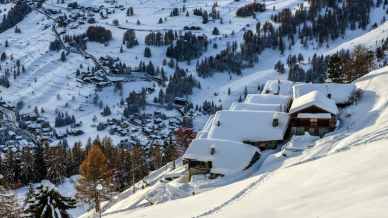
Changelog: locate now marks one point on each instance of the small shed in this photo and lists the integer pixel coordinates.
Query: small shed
(313, 113)
(264, 129)
(219, 157)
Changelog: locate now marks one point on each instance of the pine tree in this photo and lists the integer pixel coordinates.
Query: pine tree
(77, 154)
(156, 157)
(49, 203)
(27, 200)
(335, 69)
(129, 39)
(63, 56)
(11, 167)
(39, 164)
(26, 168)
(170, 151)
(216, 31)
(56, 162)
(147, 52)
(9, 207)
(138, 162)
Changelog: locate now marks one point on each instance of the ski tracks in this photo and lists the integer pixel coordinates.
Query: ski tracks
(236, 197)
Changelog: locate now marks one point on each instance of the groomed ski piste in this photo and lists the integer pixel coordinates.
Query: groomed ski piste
(340, 175)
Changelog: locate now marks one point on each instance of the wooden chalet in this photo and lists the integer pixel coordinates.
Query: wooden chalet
(313, 113)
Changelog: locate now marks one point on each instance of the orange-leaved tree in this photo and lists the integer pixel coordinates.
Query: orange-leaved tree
(94, 171)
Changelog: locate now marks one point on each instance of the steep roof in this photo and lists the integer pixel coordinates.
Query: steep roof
(255, 107)
(242, 126)
(229, 157)
(340, 93)
(313, 98)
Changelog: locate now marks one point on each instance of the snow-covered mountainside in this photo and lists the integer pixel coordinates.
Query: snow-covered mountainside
(54, 85)
(136, 81)
(340, 175)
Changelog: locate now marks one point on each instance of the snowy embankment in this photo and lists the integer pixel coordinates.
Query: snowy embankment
(340, 175)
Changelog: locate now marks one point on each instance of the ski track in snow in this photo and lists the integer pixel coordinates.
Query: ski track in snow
(236, 197)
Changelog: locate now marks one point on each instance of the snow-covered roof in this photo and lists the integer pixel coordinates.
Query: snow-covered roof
(314, 98)
(253, 126)
(229, 157)
(278, 87)
(255, 107)
(267, 99)
(205, 130)
(340, 93)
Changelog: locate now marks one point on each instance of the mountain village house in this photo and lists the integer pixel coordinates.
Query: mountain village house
(214, 156)
(313, 113)
(341, 94)
(231, 140)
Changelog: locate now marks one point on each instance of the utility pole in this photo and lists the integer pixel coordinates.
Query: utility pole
(98, 207)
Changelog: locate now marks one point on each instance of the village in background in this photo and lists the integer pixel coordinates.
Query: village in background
(192, 108)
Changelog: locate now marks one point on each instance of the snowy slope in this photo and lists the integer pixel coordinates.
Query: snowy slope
(370, 39)
(349, 184)
(51, 84)
(342, 175)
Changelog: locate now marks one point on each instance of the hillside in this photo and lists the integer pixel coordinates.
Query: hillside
(340, 176)
(53, 85)
(141, 82)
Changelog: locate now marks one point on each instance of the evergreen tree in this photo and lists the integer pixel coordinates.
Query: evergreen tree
(216, 31)
(335, 70)
(138, 162)
(27, 170)
(130, 11)
(9, 207)
(129, 39)
(49, 203)
(56, 164)
(40, 165)
(63, 56)
(147, 52)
